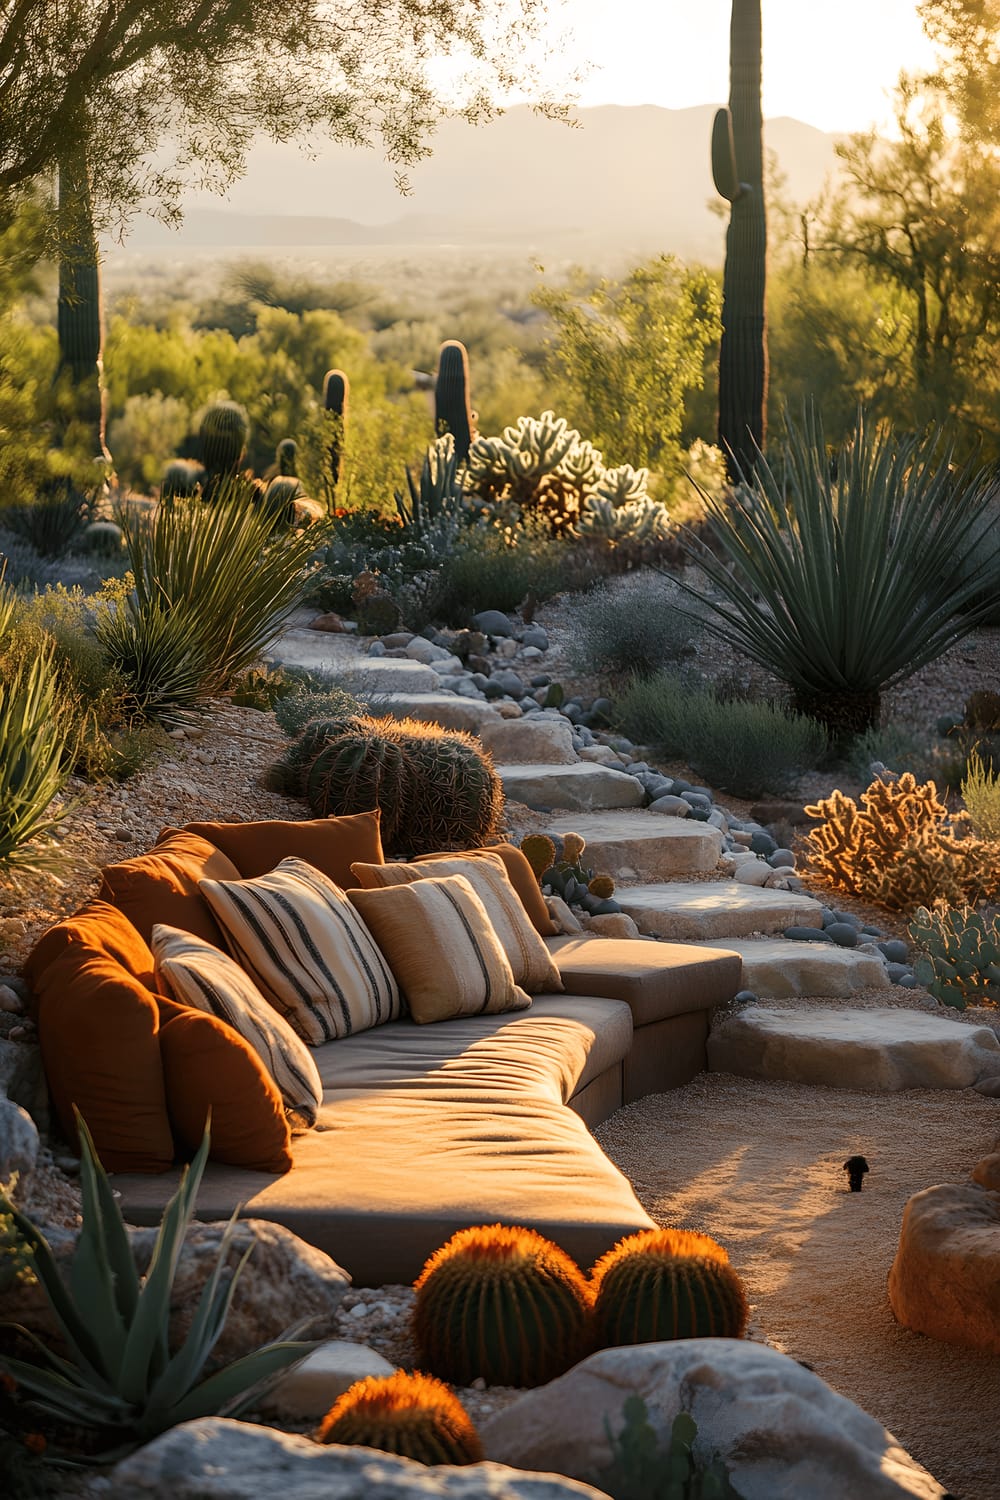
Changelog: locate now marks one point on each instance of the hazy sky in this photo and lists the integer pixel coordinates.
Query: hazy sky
(828, 64)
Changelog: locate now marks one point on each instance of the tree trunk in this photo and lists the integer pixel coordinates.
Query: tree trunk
(743, 354)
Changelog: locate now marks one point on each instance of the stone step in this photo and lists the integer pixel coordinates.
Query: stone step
(884, 1050)
(777, 969)
(338, 657)
(579, 788)
(695, 910)
(533, 740)
(446, 709)
(652, 845)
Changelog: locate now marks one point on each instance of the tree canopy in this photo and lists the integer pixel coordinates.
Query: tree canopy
(168, 94)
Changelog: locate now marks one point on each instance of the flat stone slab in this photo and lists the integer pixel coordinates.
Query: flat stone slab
(446, 709)
(653, 846)
(580, 788)
(690, 912)
(318, 651)
(854, 1049)
(530, 741)
(777, 969)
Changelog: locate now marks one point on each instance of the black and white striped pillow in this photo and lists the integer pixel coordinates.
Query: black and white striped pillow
(307, 950)
(199, 975)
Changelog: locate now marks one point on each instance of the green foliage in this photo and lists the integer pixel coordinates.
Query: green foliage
(121, 1377)
(301, 707)
(626, 354)
(485, 571)
(747, 748)
(148, 430)
(500, 1302)
(841, 574)
(641, 1469)
(981, 794)
(435, 510)
(630, 628)
(960, 963)
(52, 522)
(892, 745)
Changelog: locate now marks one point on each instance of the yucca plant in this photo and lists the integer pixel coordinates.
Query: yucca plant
(222, 564)
(160, 654)
(37, 750)
(842, 572)
(121, 1377)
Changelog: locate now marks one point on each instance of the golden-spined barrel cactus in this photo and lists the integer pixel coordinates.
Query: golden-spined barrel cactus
(414, 1416)
(667, 1284)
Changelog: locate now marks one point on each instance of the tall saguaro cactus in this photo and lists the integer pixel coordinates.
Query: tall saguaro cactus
(452, 410)
(738, 170)
(79, 315)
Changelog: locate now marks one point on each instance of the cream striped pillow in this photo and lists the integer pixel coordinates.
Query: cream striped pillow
(530, 961)
(442, 948)
(307, 950)
(199, 975)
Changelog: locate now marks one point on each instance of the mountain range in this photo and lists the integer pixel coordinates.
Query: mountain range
(628, 178)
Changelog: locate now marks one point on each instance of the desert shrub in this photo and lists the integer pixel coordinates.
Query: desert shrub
(981, 794)
(891, 745)
(842, 574)
(51, 523)
(150, 428)
(743, 747)
(901, 848)
(633, 628)
(301, 708)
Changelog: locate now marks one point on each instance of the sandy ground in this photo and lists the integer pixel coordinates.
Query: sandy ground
(758, 1165)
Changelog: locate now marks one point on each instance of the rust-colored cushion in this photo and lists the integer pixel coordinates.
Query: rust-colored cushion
(522, 878)
(162, 886)
(328, 844)
(97, 927)
(97, 1026)
(208, 1069)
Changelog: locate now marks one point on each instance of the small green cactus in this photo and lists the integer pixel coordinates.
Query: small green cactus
(279, 498)
(960, 964)
(286, 458)
(223, 434)
(641, 1469)
(182, 479)
(336, 397)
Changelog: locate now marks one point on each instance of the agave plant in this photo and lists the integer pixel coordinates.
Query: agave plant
(121, 1377)
(222, 565)
(842, 573)
(36, 754)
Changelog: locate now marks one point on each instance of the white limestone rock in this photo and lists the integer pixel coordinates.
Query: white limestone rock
(530, 741)
(306, 1392)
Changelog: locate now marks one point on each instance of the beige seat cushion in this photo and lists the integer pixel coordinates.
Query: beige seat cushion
(655, 980)
(425, 1130)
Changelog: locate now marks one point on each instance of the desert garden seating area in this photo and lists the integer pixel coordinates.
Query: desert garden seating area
(420, 1129)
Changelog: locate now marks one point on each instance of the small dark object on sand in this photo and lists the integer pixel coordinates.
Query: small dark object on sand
(855, 1167)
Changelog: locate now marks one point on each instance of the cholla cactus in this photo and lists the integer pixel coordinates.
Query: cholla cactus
(540, 466)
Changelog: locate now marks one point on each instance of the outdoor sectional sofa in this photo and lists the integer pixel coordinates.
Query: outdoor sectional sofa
(422, 1129)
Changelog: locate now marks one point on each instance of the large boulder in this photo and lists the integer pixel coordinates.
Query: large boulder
(284, 1281)
(18, 1145)
(236, 1461)
(945, 1279)
(782, 1432)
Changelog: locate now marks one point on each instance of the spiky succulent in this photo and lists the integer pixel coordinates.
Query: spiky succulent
(503, 1303)
(960, 964)
(666, 1284)
(540, 852)
(414, 1416)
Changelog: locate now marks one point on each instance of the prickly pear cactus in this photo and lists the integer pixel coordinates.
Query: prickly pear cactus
(960, 963)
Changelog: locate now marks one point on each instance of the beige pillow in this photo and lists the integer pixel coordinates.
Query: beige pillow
(306, 949)
(442, 948)
(201, 976)
(530, 961)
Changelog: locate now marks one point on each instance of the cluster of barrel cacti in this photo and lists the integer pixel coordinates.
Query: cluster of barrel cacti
(505, 1304)
(542, 467)
(960, 960)
(436, 788)
(560, 872)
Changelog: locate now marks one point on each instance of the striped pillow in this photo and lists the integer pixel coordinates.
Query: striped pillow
(530, 961)
(307, 950)
(200, 976)
(442, 948)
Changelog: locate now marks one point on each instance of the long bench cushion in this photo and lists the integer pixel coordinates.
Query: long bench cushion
(425, 1130)
(655, 980)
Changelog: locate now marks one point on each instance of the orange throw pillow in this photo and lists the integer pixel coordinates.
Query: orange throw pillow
(162, 886)
(521, 876)
(98, 927)
(331, 845)
(97, 1026)
(209, 1069)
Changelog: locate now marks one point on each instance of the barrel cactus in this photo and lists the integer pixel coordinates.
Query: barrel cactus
(457, 795)
(286, 458)
(452, 409)
(666, 1284)
(540, 852)
(414, 1416)
(336, 395)
(502, 1303)
(279, 499)
(182, 479)
(223, 434)
(358, 771)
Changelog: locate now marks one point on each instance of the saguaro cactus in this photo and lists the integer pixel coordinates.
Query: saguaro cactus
(336, 393)
(452, 410)
(78, 316)
(738, 170)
